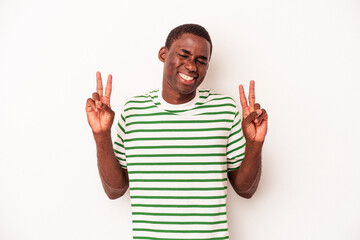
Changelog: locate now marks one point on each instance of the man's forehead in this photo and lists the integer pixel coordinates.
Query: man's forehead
(191, 42)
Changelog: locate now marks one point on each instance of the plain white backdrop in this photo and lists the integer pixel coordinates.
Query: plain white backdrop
(303, 56)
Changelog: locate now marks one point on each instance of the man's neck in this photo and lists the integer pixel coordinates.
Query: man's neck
(173, 97)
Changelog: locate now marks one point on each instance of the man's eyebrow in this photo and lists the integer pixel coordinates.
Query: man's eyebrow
(185, 51)
(188, 52)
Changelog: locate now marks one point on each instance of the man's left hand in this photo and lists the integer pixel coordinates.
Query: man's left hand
(255, 119)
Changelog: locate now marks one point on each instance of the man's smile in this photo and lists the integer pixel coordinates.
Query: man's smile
(186, 79)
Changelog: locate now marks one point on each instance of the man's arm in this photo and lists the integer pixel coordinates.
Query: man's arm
(245, 179)
(114, 178)
(100, 117)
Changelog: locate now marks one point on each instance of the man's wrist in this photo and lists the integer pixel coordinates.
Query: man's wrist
(255, 144)
(102, 136)
(254, 147)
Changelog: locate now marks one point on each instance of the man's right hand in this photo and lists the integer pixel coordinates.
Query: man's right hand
(98, 110)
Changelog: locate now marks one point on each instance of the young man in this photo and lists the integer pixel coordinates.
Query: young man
(177, 146)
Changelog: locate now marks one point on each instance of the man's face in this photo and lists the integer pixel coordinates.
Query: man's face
(185, 65)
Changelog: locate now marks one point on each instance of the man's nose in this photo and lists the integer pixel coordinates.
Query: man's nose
(190, 65)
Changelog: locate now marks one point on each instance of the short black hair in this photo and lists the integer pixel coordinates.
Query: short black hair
(195, 29)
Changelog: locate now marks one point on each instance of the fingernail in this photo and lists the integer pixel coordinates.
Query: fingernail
(258, 111)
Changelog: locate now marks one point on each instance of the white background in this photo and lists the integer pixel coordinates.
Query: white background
(303, 55)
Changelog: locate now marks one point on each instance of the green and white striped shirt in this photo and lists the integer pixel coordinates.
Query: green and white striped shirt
(177, 157)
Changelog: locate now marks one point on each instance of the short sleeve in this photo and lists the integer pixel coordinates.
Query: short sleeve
(235, 149)
(119, 147)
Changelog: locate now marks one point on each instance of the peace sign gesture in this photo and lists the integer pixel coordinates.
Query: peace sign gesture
(98, 110)
(255, 119)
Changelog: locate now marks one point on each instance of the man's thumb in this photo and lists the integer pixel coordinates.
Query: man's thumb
(105, 107)
(252, 116)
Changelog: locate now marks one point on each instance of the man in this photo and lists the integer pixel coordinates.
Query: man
(175, 146)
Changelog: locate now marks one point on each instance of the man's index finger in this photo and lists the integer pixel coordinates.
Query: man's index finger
(243, 100)
(108, 86)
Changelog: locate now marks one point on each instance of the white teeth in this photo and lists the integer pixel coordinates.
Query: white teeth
(186, 77)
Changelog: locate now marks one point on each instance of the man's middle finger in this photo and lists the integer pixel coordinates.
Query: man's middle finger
(252, 95)
(99, 86)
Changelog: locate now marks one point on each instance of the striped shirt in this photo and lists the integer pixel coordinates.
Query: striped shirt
(177, 157)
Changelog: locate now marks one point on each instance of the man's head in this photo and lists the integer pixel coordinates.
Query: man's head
(186, 59)
(195, 29)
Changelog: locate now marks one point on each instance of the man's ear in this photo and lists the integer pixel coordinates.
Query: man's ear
(162, 53)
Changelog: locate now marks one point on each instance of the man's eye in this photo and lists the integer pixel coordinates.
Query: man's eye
(201, 62)
(183, 56)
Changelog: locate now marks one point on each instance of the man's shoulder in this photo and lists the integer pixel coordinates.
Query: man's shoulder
(143, 98)
(208, 95)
